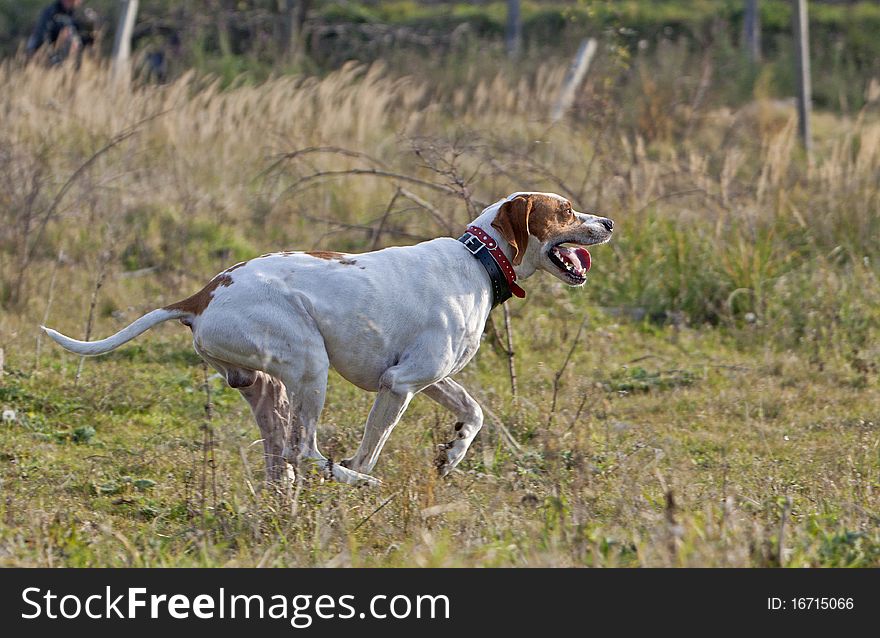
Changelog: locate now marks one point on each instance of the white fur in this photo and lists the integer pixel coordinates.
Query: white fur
(139, 326)
(395, 321)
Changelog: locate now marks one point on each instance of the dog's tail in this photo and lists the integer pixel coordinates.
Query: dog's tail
(92, 348)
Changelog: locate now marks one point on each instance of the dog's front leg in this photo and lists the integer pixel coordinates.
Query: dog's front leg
(390, 404)
(455, 398)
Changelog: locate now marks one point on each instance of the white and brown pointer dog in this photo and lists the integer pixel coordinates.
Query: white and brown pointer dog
(396, 322)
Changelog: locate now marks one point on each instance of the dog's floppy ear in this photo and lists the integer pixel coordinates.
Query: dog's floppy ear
(512, 221)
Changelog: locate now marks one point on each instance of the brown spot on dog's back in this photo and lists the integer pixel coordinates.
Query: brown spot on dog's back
(235, 267)
(325, 254)
(282, 253)
(196, 304)
(329, 254)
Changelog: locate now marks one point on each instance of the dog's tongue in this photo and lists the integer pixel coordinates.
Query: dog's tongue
(577, 258)
(583, 256)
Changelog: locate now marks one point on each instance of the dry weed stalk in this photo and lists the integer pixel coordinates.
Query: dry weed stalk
(50, 296)
(104, 260)
(508, 350)
(557, 377)
(208, 450)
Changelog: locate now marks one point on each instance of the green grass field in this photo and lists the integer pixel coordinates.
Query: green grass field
(720, 407)
(749, 445)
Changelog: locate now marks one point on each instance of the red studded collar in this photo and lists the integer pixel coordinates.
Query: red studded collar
(482, 246)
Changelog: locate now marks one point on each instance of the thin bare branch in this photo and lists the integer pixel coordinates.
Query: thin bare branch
(428, 207)
(114, 141)
(375, 511)
(370, 172)
(377, 234)
(363, 227)
(506, 437)
(558, 376)
(312, 150)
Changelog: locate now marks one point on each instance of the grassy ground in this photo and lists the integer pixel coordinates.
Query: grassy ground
(668, 447)
(720, 406)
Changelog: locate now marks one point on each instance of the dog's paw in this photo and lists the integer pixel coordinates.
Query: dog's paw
(350, 464)
(448, 456)
(342, 474)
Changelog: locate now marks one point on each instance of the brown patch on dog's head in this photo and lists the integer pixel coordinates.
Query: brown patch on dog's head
(540, 215)
(550, 216)
(512, 221)
(196, 304)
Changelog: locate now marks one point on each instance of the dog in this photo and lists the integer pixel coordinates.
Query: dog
(396, 322)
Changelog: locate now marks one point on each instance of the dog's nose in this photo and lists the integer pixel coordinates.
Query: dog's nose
(607, 223)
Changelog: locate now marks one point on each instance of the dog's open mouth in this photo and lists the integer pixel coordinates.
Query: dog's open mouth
(573, 261)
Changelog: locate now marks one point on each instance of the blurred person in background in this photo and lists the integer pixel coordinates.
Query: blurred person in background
(64, 30)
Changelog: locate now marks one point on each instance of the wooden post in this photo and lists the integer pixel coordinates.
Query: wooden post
(122, 41)
(802, 67)
(514, 29)
(292, 20)
(574, 77)
(752, 31)
(288, 29)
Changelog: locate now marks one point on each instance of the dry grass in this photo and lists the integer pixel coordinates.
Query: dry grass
(726, 395)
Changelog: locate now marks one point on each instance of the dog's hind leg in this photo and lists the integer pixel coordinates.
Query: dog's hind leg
(455, 398)
(267, 397)
(268, 401)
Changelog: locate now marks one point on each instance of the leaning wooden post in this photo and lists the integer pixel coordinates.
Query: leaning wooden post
(802, 67)
(122, 41)
(573, 78)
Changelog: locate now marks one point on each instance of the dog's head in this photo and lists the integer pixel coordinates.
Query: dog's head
(545, 233)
